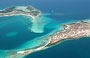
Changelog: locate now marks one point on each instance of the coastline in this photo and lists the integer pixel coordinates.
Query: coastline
(58, 42)
(25, 52)
(68, 31)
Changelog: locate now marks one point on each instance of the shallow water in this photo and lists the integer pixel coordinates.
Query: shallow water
(14, 31)
(72, 11)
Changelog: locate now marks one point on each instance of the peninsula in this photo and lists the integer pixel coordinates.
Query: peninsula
(71, 31)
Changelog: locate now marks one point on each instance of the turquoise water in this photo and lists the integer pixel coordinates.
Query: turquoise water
(15, 35)
(14, 31)
(18, 26)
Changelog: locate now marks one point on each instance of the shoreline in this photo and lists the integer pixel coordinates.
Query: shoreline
(50, 42)
(66, 31)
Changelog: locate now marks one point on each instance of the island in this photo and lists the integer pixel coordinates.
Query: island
(29, 12)
(70, 31)
(20, 10)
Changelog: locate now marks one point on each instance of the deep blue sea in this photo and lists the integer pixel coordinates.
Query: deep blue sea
(13, 29)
